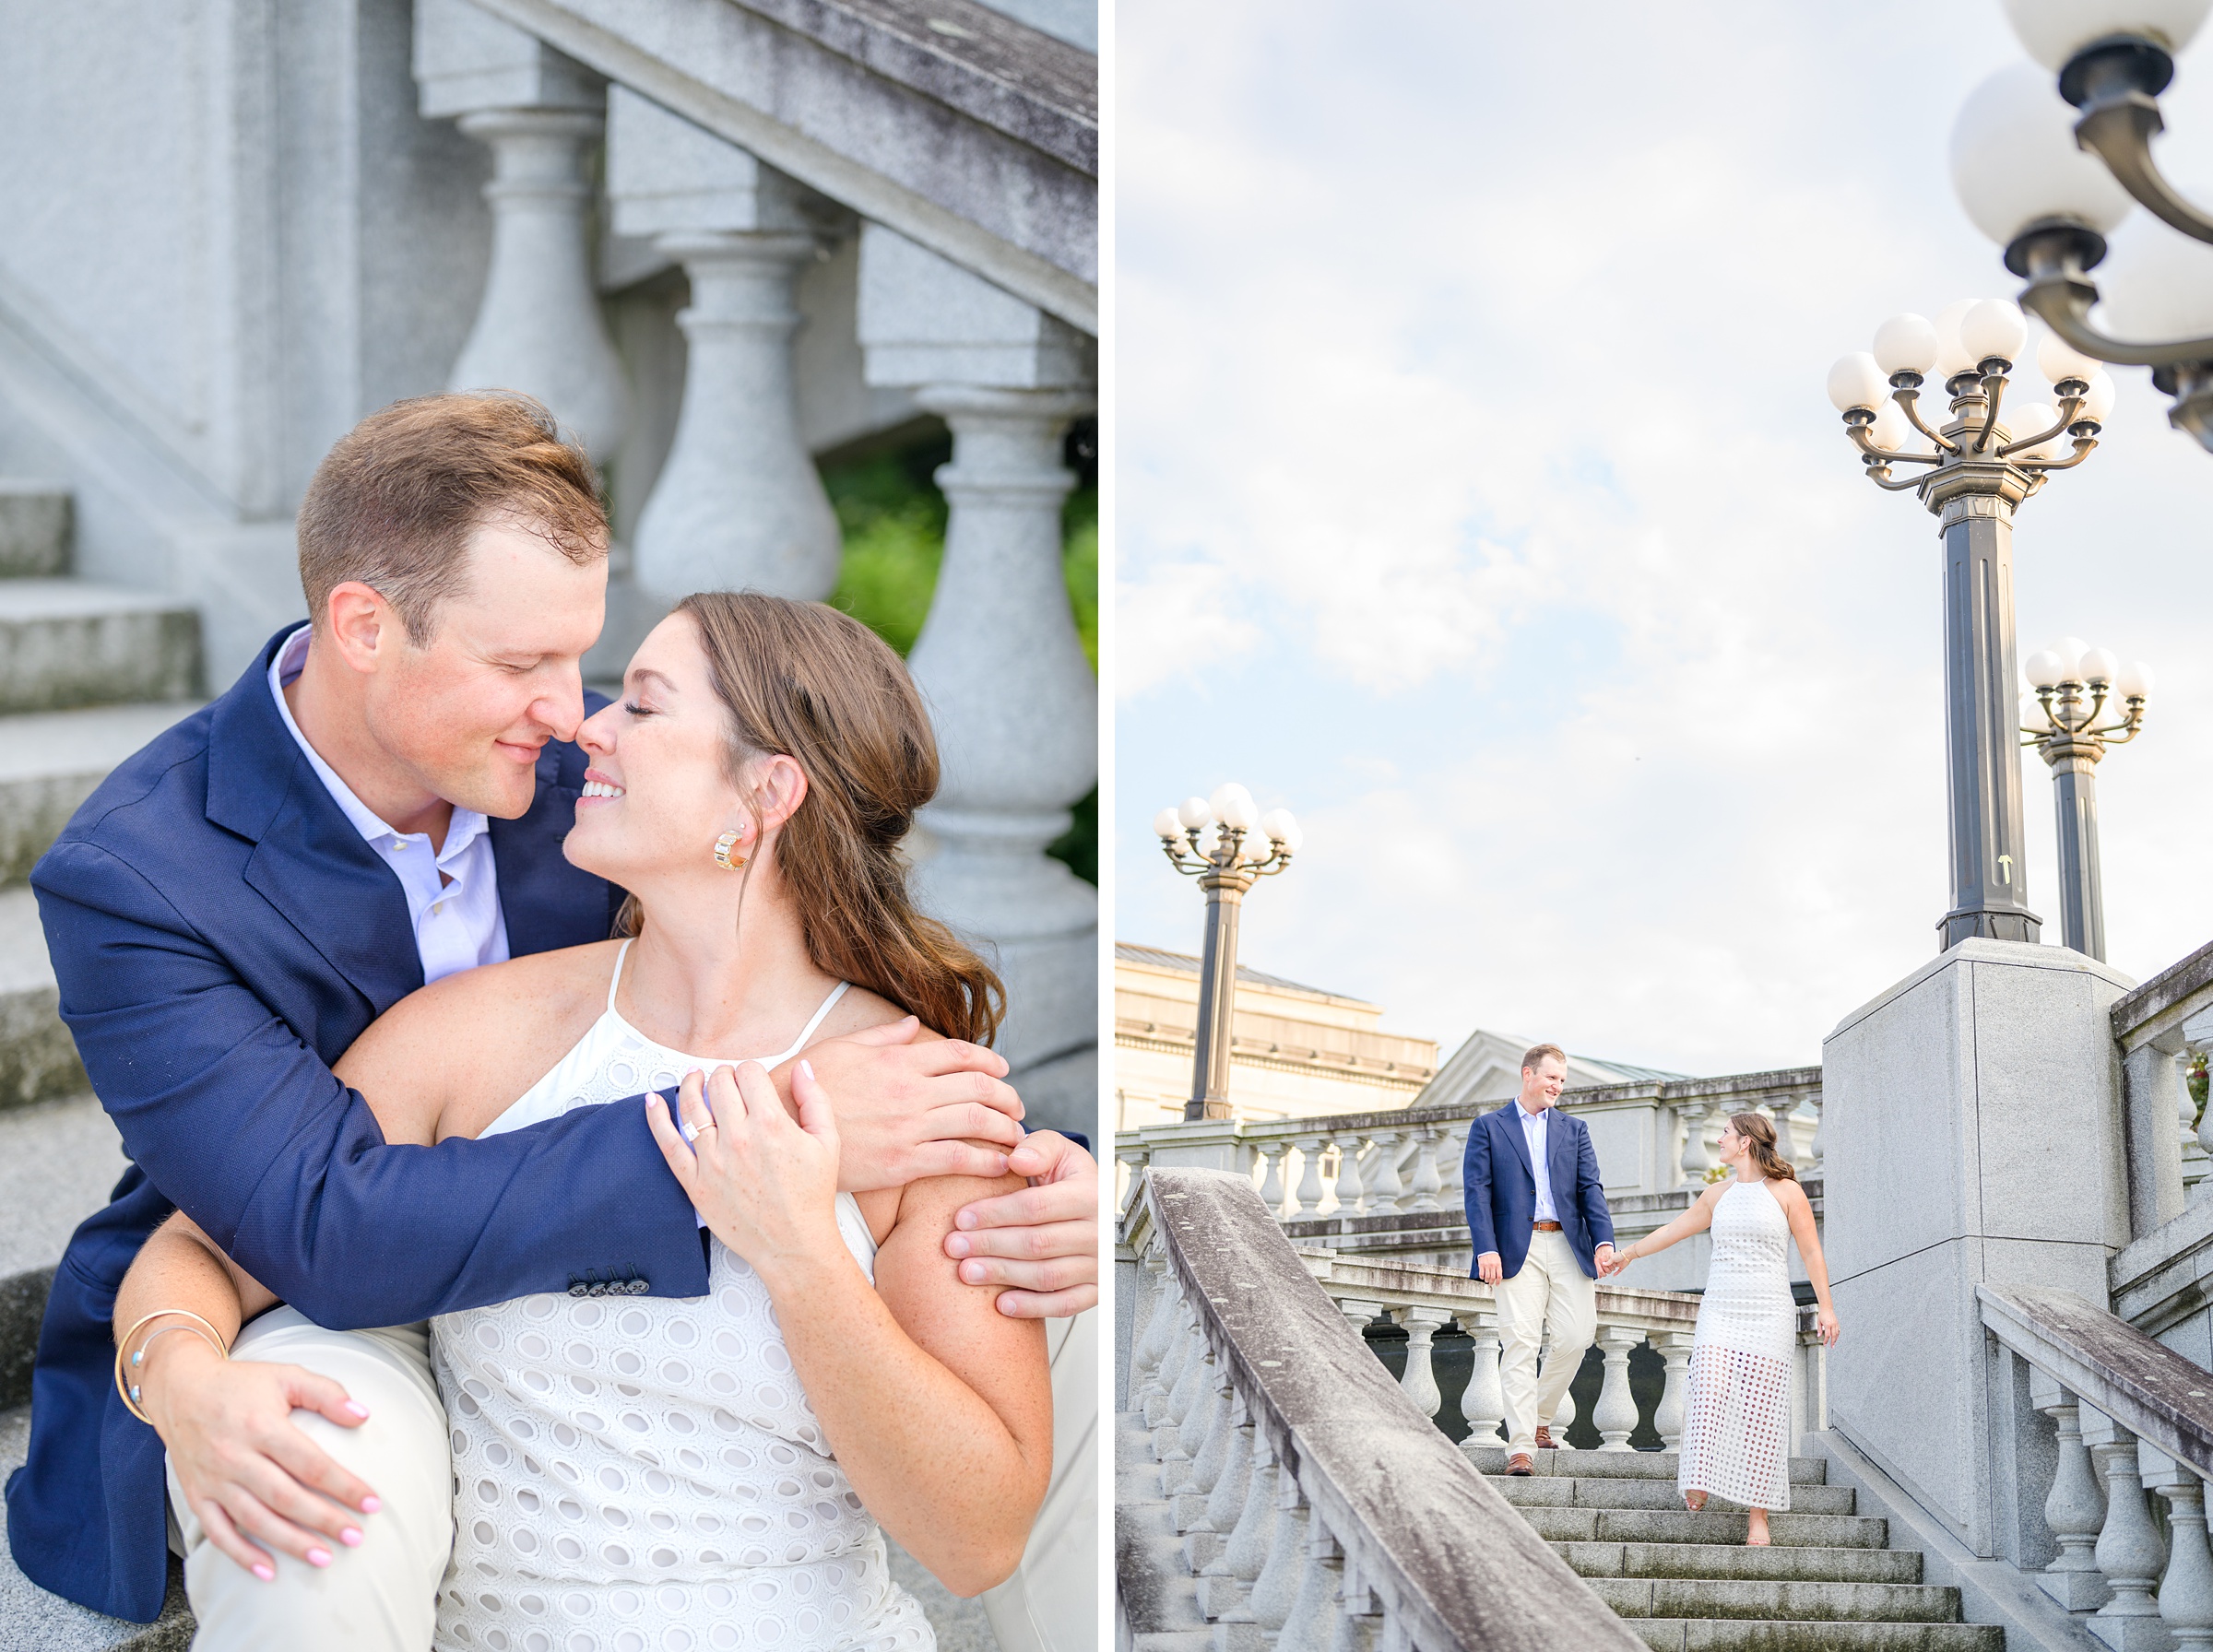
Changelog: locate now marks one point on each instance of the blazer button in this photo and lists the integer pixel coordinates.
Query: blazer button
(596, 1289)
(578, 1287)
(639, 1287)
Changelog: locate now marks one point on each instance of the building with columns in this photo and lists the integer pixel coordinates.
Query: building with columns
(720, 237)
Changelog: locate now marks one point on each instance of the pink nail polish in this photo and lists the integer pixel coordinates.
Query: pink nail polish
(318, 1557)
(351, 1537)
(358, 1409)
(808, 1067)
(371, 1504)
(266, 1574)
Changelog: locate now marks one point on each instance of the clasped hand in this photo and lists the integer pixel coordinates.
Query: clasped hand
(765, 1183)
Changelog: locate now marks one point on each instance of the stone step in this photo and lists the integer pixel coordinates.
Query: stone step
(58, 1160)
(1583, 1525)
(68, 643)
(34, 530)
(1724, 1634)
(33, 1620)
(50, 763)
(1776, 1563)
(1568, 1491)
(37, 1058)
(1779, 1602)
(1622, 1465)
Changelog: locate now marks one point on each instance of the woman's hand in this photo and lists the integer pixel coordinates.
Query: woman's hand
(256, 1482)
(1615, 1264)
(1826, 1320)
(767, 1187)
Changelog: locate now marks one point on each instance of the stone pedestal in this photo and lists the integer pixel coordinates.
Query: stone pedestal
(1972, 1128)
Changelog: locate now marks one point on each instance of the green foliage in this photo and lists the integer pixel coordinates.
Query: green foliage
(892, 518)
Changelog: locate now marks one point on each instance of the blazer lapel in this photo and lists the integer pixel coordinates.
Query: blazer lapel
(1510, 1117)
(1559, 1149)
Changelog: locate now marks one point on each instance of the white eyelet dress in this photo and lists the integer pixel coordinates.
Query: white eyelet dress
(644, 1474)
(1737, 1425)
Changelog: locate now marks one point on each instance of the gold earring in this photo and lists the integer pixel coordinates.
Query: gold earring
(723, 845)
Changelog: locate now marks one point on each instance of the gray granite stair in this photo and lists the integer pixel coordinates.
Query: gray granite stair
(50, 763)
(68, 642)
(38, 1059)
(35, 519)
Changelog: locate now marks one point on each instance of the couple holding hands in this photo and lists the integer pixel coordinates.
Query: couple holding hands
(573, 1204)
(1543, 1241)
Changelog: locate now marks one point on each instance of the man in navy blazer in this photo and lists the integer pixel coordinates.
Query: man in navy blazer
(1540, 1241)
(230, 909)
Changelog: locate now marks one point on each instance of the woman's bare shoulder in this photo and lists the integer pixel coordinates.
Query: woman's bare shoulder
(858, 1011)
(544, 986)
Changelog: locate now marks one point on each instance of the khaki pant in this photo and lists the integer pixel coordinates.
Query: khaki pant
(1552, 1291)
(384, 1595)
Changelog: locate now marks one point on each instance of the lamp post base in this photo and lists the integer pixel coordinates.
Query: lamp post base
(1197, 1109)
(1957, 927)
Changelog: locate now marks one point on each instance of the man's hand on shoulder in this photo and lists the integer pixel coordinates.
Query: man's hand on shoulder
(1043, 1242)
(909, 1107)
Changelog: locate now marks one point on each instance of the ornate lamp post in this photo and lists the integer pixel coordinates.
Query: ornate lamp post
(1245, 844)
(2072, 684)
(1981, 463)
(2049, 170)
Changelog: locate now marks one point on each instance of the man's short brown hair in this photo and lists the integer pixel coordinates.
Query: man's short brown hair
(394, 503)
(1537, 1052)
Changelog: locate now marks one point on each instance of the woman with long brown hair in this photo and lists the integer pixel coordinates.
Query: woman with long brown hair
(635, 1472)
(1736, 1422)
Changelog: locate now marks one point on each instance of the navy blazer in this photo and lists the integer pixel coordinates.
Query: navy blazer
(1501, 1188)
(221, 934)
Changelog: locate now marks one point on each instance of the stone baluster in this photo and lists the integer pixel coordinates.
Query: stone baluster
(1697, 1159)
(1227, 1583)
(1782, 1115)
(1152, 1345)
(1014, 699)
(1667, 1417)
(1133, 1160)
(1564, 1418)
(1233, 1483)
(1427, 1182)
(2194, 1158)
(1198, 1419)
(1360, 1619)
(1161, 1400)
(2186, 1584)
(1384, 1186)
(2129, 1551)
(1276, 1590)
(1351, 1197)
(2074, 1508)
(1614, 1415)
(1419, 1381)
(1814, 1147)
(539, 327)
(1190, 1380)
(739, 502)
(1312, 1626)
(1484, 1403)
(1212, 1455)
(1310, 1185)
(1451, 1167)
(1272, 1183)
(1360, 1316)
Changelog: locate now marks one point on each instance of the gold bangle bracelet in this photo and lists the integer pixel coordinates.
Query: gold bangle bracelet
(129, 1391)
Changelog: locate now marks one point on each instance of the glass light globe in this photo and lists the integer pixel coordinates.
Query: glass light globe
(1856, 382)
(2015, 162)
(2099, 665)
(2134, 681)
(1993, 328)
(1952, 358)
(2033, 715)
(1194, 814)
(1168, 823)
(2070, 650)
(1233, 806)
(1891, 430)
(1255, 847)
(1280, 823)
(2030, 418)
(2054, 31)
(2058, 360)
(2098, 401)
(2157, 284)
(2044, 669)
(1905, 344)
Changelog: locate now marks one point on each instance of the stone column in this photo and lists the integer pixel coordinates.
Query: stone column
(1014, 700)
(1419, 1381)
(538, 328)
(739, 503)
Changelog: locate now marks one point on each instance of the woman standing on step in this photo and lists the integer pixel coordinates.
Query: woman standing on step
(1736, 1427)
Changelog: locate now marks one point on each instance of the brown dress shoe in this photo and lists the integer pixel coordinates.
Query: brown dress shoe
(1520, 1463)
(1545, 1441)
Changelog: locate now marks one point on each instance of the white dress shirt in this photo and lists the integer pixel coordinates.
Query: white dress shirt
(1535, 1127)
(457, 923)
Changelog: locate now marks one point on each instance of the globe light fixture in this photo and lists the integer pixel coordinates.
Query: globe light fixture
(2050, 156)
(2072, 685)
(1970, 470)
(1241, 844)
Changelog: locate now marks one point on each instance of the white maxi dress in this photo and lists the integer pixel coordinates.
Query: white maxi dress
(1737, 1426)
(642, 1473)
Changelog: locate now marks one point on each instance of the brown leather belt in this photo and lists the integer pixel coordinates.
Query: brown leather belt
(1548, 1227)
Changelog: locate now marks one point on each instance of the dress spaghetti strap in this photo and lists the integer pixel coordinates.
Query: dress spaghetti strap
(622, 952)
(813, 1021)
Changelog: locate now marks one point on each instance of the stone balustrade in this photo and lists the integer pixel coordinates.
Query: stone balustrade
(1276, 1486)
(2159, 1031)
(2131, 1420)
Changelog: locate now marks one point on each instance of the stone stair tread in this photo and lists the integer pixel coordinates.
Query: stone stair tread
(1777, 1561)
(24, 965)
(33, 1620)
(1621, 1464)
(34, 599)
(1605, 1492)
(1749, 1634)
(88, 740)
(58, 1160)
(1586, 1525)
(1779, 1600)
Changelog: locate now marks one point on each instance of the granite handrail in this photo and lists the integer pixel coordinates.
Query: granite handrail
(1242, 1338)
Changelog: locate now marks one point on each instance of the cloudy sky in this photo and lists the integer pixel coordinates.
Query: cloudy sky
(1478, 500)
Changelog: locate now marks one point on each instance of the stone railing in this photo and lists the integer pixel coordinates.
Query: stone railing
(947, 166)
(1390, 1181)
(2132, 1418)
(2159, 1029)
(1303, 1499)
